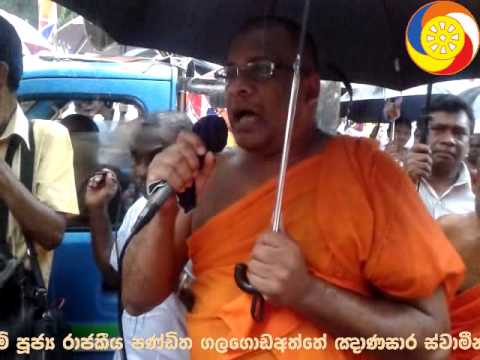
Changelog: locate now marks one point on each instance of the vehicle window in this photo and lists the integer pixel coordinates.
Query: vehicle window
(99, 130)
(27, 105)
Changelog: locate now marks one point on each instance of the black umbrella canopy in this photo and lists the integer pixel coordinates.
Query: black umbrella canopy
(362, 41)
(364, 111)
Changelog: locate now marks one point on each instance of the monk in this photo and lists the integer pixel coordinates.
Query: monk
(358, 254)
(464, 233)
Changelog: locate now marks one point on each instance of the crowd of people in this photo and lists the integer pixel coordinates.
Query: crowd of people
(372, 242)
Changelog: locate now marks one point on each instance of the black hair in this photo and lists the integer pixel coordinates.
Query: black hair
(401, 121)
(79, 123)
(452, 104)
(293, 29)
(11, 54)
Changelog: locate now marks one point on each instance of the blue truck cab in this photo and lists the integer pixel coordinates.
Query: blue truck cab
(48, 88)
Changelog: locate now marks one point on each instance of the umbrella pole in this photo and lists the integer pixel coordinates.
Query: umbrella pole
(392, 132)
(429, 97)
(277, 212)
(425, 120)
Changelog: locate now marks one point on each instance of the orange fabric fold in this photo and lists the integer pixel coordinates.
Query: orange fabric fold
(465, 316)
(344, 210)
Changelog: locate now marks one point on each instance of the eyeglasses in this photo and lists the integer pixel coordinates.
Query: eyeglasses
(255, 70)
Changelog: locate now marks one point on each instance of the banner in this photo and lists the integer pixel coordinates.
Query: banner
(47, 18)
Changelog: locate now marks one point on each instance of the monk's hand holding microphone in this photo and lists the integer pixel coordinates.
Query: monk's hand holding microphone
(180, 165)
(278, 270)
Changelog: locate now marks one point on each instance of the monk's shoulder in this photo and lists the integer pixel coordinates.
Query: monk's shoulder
(357, 144)
(367, 160)
(358, 150)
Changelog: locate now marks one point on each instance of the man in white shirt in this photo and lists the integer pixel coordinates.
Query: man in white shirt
(438, 167)
(169, 316)
(151, 137)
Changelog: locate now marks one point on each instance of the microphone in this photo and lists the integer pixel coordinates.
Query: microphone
(213, 131)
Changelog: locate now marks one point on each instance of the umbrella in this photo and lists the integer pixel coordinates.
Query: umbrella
(359, 40)
(72, 36)
(362, 39)
(82, 37)
(472, 97)
(78, 36)
(32, 40)
(369, 101)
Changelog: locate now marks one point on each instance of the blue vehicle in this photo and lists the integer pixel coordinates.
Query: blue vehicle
(52, 88)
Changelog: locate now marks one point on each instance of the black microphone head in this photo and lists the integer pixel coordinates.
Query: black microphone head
(213, 131)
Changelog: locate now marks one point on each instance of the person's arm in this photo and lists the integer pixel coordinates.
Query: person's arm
(157, 254)
(101, 230)
(38, 222)
(153, 261)
(101, 189)
(42, 217)
(333, 307)
(277, 269)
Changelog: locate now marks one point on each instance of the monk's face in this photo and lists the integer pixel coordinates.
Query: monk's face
(258, 106)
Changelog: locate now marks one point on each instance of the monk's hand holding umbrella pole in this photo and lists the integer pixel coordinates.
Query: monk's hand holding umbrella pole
(278, 269)
(257, 308)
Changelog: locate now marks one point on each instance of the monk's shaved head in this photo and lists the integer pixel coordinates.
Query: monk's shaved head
(292, 29)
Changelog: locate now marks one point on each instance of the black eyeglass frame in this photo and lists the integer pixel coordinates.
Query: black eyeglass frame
(248, 70)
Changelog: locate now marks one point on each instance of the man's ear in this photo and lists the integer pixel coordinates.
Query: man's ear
(311, 88)
(3, 74)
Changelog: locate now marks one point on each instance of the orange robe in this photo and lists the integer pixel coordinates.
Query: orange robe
(465, 316)
(359, 223)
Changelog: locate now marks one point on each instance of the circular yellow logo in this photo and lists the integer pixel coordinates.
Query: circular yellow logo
(442, 38)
